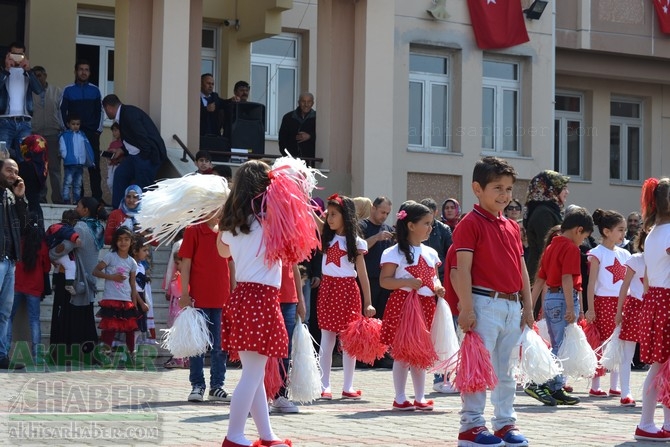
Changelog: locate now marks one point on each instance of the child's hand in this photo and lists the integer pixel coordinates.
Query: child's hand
(570, 316)
(440, 291)
(414, 283)
(590, 316)
(370, 311)
(527, 318)
(184, 301)
(118, 277)
(144, 306)
(467, 320)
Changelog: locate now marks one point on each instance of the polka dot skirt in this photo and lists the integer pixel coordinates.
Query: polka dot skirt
(605, 308)
(253, 321)
(655, 326)
(632, 315)
(338, 303)
(393, 312)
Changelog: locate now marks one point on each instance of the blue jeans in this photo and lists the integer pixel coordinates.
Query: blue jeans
(498, 324)
(218, 358)
(13, 132)
(6, 303)
(33, 307)
(307, 294)
(554, 314)
(288, 311)
(72, 180)
(133, 170)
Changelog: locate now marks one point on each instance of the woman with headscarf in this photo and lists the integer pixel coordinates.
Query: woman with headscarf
(125, 214)
(451, 213)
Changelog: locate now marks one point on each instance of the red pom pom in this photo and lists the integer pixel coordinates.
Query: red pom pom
(272, 380)
(662, 384)
(362, 340)
(592, 334)
(412, 343)
(474, 371)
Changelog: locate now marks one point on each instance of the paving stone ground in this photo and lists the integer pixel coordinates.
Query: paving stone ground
(122, 407)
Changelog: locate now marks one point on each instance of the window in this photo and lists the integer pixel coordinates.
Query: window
(210, 50)
(428, 102)
(95, 43)
(626, 125)
(500, 106)
(569, 134)
(275, 73)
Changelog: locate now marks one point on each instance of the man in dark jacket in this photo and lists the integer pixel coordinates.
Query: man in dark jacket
(12, 223)
(297, 133)
(143, 147)
(440, 235)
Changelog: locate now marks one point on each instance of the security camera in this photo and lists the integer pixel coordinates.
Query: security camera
(231, 22)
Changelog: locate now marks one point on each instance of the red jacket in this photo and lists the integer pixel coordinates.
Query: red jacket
(32, 282)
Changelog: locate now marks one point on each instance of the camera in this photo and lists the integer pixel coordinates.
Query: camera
(16, 57)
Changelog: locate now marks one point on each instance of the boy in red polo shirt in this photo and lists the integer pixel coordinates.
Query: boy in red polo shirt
(560, 270)
(491, 283)
(206, 284)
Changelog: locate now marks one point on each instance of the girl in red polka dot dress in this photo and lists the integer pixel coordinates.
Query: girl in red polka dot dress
(655, 325)
(339, 301)
(607, 271)
(410, 265)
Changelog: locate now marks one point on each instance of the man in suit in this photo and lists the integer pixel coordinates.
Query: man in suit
(210, 107)
(143, 151)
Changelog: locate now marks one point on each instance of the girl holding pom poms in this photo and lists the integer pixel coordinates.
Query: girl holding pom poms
(406, 267)
(654, 333)
(262, 203)
(339, 301)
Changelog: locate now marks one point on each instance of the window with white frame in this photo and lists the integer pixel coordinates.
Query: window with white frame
(569, 133)
(501, 88)
(209, 53)
(275, 77)
(95, 44)
(626, 127)
(429, 127)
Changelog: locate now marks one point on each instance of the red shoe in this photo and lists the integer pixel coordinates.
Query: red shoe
(227, 443)
(615, 393)
(597, 393)
(327, 396)
(424, 406)
(568, 389)
(275, 443)
(405, 406)
(356, 395)
(627, 402)
(660, 435)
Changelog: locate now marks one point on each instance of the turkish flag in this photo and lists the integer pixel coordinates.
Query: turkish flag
(497, 23)
(663, 12)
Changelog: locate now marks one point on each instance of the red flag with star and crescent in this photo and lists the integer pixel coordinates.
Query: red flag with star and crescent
(497, 23)
(663, 12)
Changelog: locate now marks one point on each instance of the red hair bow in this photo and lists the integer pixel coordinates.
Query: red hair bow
(336, 198)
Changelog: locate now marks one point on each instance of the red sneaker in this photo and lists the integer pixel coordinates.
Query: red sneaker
(405, 406)
(615, 393)
(597, 393)
(275, 443)
(327, 396)
(480, 436)
(660, 435)
(356, 395)
(424, 406)
(627, 402)
(227, 443)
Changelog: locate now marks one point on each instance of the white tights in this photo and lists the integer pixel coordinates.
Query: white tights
(624, 368)
(249, 396)
(649, 395)
(400, 370)
(328, 339)
(614, 381)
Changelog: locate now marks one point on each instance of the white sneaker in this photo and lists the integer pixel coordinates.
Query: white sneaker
(283, 405)
(445, 388)
(196, 394)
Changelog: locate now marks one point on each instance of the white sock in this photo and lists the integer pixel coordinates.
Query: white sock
(624, 368)
(419, 382)
(328, 339)
(649, 395)
(400, 370)
(595, 383)
(348, 365)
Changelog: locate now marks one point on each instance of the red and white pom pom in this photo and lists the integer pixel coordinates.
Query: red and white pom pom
(362, 340)
(592, 334)
(533, 361)
(612, 351)
(576, 354)
(412, 343)
(445, 340)
(474, 371)
(272, 379)
(662, 384)
(189, 335)
(304, 376)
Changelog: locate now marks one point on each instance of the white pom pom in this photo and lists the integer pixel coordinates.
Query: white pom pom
(533, 361)
(578, 358)
(188, 336)
(304, 376)
(612, 351)
(298, 170)
(444, 337)
(544, 330)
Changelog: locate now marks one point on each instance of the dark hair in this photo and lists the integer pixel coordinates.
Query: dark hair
(121, 231)
(351, 229)
(516, 202)
(415, 212)
(244, 200)
(488, 169)
(203, 154)
(138, 242)
(204, 75)
(111, 100)
(81, 62)
(657, 203)
(39, 68)
(241, 84)
(607, 219)
(16, 44)
(639, 239)
(69, 217)
(578, 217)
(73, 116)
(381, 199)
(33, 238)
(115, 125)
(94, 208)
(224, 171)
(430, 203)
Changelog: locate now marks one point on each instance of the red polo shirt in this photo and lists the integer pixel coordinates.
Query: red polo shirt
(562, 257)
(450, 294)
(497, 253)
(287, 291)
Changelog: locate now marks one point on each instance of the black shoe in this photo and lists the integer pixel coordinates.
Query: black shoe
(563, 398)
(542, 394)
(6, 364)
(640, 367)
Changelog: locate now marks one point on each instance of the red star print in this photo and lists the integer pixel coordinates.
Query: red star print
(424, 272)
(334, 254)
(618, 271)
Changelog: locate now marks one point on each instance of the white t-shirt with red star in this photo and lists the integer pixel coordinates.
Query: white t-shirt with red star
(425, 262)
(612, 269)
(636, 264)
(335, 261)
(656, 256)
